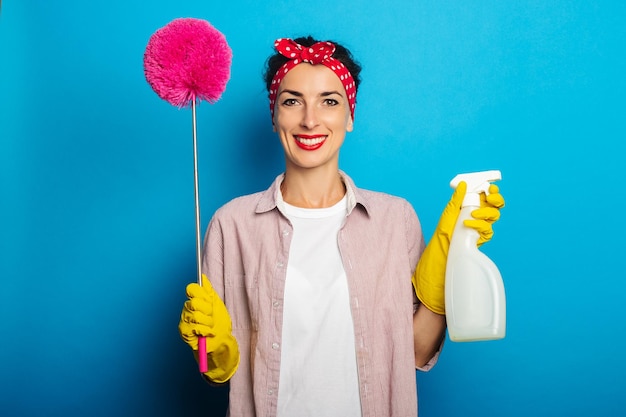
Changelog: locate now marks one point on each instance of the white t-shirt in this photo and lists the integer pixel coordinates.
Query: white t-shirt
(318, 373)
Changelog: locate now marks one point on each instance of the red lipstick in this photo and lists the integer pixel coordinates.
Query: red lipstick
(310, 142)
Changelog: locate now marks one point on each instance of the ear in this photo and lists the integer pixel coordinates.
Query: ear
(350, 125)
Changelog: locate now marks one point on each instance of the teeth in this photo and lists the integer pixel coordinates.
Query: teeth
(311, 142)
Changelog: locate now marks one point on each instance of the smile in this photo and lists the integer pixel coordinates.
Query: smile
(310, 142)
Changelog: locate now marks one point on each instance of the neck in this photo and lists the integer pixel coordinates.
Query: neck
(314, 188)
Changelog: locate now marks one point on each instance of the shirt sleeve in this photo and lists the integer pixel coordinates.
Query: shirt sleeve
(416, 245)
(213, 256)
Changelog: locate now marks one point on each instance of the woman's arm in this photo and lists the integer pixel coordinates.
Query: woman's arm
(428, 331)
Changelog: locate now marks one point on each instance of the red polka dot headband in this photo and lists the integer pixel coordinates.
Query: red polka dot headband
(318, 53)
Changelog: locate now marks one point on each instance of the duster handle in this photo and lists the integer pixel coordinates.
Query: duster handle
(202, 354)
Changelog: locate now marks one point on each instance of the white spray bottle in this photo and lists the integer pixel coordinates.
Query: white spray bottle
(474, 292)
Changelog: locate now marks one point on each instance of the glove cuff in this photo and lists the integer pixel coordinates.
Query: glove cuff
(223, 364)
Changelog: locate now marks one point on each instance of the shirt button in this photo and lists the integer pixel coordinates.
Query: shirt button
(276, 304)
(275, 346)
(280, 264)
(285, 232)
(270, 392)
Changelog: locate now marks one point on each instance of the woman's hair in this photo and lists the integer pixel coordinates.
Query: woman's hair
(342, 54)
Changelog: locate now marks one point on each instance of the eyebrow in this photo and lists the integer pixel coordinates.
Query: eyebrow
(299, 94)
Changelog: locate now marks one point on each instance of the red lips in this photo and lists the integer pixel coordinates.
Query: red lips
(310, 142)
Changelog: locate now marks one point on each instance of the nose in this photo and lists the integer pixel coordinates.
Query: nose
(309, 117)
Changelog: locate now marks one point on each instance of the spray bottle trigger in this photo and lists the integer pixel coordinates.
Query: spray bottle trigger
(484, 188)
(477, 182)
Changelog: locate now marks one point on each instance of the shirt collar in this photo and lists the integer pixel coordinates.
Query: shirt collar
(269, 198)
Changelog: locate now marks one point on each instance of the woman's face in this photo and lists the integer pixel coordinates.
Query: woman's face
(312, 116)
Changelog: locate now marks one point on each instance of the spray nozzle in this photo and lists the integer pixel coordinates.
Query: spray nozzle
(477, 182)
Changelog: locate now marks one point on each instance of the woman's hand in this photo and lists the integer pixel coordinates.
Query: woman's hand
(204, 314)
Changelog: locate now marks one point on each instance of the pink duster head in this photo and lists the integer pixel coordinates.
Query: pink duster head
(187, 59)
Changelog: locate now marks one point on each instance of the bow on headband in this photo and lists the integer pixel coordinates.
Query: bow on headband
(318, 53)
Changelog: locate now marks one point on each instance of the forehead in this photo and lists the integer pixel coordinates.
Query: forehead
(307, 78)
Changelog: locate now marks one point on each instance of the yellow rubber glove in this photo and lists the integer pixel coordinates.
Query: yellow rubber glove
(487, 214)
(429, 277)
(204, 314)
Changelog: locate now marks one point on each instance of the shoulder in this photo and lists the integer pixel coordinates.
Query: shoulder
(389, 217)
(380, 197)
(238, 207)
(376, 203)
(388, 212)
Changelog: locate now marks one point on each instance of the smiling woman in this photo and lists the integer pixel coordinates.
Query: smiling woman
(310, 308)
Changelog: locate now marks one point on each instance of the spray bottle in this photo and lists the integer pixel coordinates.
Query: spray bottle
(474, 292)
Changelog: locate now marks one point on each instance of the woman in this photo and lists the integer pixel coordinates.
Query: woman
(319, 315)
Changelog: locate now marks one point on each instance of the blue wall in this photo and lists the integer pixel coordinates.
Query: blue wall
(96, 191)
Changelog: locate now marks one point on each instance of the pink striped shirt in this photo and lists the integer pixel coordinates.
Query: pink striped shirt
(245, 255)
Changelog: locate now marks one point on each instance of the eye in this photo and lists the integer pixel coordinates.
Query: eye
(331, 102)
(290, 102)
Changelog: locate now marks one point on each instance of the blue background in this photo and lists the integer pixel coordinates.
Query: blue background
(97, 209)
